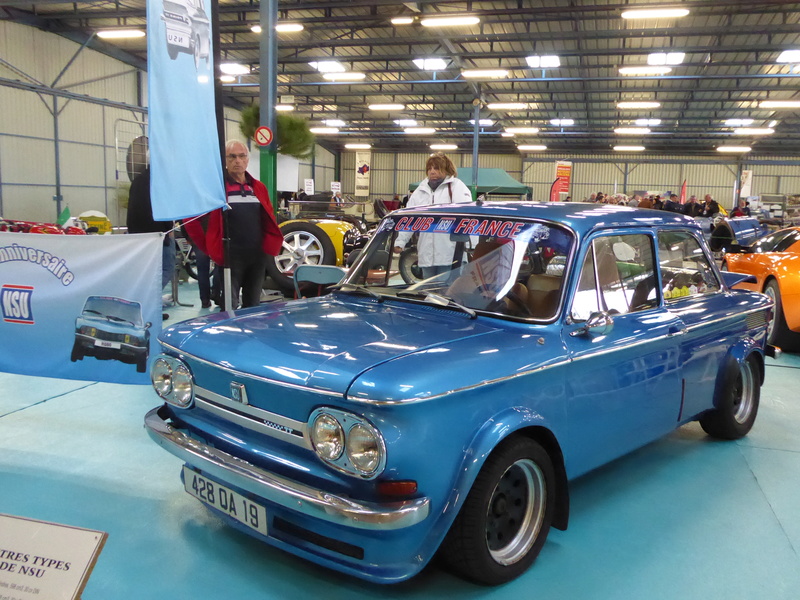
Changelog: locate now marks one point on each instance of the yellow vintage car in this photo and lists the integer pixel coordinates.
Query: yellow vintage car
(774, 260)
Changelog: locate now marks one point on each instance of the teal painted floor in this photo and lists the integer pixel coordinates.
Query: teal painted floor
(685, 517)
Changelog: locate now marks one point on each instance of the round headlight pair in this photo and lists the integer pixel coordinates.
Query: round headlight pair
(347, 442)
(172, 381)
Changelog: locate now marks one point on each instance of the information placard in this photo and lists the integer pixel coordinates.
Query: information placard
(45, 561)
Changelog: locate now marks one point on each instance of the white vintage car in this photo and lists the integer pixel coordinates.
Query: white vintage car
(188, 29)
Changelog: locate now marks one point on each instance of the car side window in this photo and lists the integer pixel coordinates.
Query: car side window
(617, 276)
(685, 268)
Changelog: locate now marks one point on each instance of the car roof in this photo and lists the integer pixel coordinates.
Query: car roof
(582, 217)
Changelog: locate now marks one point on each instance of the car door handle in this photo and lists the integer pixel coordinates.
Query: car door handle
(675, 330)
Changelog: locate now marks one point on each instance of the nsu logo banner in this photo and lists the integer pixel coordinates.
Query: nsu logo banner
(16, 303)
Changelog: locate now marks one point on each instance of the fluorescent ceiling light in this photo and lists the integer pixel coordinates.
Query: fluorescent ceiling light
(789, 56)
(227, 78)
(405, 122)
(628, 148)
(531, 148)
(522, 130)
(665, 58)
(654, 13)
(423, 130)
(118, 34)
(387, 106)
(324, 130)
(647, 122)
(234, 69)
(645, 70)
(753, 131)
(334, 123)
(734, 148)
(779, 104)
(481, 122)
(202, 79)
(348, 76)
(771, 123)
(430, 64)
(510, 105)
(506, 134)
(284, 107)
(443, 147)
(449, 21)
(562, 122)
(543, 62)
(358, 146)
(624, 105)
(632, 130)
(256, 29)
(289, 27)
(484, 73)
(328, 66)
(402, 20)
(738, 122)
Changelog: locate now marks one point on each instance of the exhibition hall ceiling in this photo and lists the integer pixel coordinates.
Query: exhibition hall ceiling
(709, 78)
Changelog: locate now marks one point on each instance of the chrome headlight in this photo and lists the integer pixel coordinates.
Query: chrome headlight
(172, 380)
(347, 442)
(327, 436)
(363, 448)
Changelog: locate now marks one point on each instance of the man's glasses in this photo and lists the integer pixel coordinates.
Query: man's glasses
(235, 156)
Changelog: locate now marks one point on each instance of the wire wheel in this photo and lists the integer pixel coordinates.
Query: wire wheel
(516, 512)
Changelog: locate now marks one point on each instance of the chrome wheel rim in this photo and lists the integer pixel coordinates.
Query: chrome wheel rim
(770, 291)
(299, 248)
(744, 394)
(516, 512)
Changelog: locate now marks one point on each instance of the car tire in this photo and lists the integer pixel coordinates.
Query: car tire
(190, 266)
(303, 244)
(735, 401)
(76, 353)
(409, 267)
(141, 365)
(172, 51)
(196, 53)
(506, 516)
(778, 332)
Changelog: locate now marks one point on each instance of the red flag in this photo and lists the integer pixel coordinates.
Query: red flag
(682, 199)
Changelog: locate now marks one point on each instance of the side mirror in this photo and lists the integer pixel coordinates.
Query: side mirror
(599, 323)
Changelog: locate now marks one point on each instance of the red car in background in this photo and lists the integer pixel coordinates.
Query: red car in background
(35, 227)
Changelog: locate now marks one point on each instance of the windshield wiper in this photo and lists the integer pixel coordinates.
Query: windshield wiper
(437, 299)
(357, 288)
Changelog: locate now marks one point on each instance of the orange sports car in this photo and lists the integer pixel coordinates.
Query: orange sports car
(774, 260)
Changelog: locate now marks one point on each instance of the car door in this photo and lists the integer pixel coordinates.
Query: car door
(625, 378)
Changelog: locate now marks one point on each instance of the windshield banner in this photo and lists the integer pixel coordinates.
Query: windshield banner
(186, 172)
(80, 306)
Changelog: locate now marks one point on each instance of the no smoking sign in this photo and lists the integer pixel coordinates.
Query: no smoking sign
(263, 136)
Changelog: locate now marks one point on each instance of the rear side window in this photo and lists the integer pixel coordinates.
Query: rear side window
(617, 276)
(685, 268)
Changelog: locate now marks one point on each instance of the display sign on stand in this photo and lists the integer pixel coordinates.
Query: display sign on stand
(45, 561)
(562, 182)
(308, 186)
(336, 187)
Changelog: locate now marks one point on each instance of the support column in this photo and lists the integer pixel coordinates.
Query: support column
(268, 96)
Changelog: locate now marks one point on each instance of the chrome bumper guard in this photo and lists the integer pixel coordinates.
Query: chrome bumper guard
(280, 490)
(773, 351)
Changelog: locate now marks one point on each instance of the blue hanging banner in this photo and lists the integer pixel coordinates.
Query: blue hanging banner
(186, 168)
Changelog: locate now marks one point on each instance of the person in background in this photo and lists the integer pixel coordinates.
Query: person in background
(436, 253)
(568, 199)
(208, 291)
(692, 208)
(672, 204)
(646, 202)
(710, 208)
(140, 220)
(742, 209)
(252, 228)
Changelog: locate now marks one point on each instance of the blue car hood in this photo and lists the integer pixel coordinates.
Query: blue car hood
(323, 343)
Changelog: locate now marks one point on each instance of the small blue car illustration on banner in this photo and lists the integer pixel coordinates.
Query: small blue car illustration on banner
(112, 329)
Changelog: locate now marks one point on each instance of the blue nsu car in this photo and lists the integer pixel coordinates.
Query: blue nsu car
(368, 429)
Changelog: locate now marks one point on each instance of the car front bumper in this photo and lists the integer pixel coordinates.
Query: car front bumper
(294, 496)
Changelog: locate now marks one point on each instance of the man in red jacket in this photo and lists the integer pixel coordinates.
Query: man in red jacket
(252, 228)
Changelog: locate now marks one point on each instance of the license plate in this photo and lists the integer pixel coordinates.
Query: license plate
(177, 39)
(225, 499)
(106, 344)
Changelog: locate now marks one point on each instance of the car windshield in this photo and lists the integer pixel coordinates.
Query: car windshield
(114, 309)
(505, 266)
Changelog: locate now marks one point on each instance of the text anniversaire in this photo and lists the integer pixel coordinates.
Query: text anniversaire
(57, 266)
(29, 564)
(487, 227)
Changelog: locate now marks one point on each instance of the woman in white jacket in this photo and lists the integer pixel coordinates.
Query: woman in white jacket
(435, 253)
